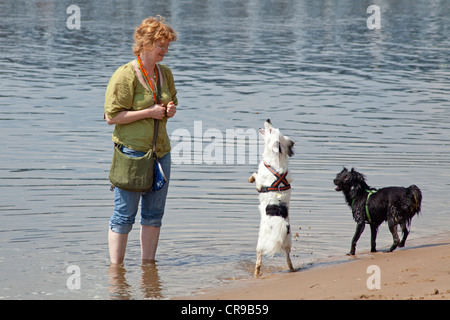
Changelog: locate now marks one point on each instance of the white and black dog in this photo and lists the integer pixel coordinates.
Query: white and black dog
(273, 184)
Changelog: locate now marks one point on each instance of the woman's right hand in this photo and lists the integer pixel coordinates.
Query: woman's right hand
(158, 111)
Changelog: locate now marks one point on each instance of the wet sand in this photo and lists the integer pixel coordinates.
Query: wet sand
(419, 271)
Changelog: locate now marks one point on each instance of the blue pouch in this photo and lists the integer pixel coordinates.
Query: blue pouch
(159, 179)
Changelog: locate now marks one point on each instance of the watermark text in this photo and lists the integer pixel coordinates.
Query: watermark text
(74, 280)
(73, 22)
(374, 280)
(212, 146)
(373, 21)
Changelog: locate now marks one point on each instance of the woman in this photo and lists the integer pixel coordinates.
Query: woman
(130, 104)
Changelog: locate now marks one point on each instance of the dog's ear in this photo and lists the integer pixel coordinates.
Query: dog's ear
(288, 144)
(357, 177)
(290, 147)
(262, 132)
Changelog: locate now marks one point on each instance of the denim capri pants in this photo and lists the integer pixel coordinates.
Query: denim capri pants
(126, 203)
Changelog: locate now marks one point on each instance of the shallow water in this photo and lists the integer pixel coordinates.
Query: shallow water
(373, 99)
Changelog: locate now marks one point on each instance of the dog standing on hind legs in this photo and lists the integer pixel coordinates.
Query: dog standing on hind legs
(273, 184)
(396, 205)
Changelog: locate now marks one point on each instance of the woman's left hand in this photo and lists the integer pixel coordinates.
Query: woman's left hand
(171, 109)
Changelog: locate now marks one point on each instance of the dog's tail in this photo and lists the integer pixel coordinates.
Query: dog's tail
(276, 237)
(415, 196)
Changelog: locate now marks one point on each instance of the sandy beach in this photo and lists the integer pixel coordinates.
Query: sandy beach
(421, 271)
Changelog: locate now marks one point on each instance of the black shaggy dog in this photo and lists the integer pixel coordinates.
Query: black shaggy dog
(397, 205)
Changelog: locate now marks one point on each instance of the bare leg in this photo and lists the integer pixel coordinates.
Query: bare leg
(393, 228)
(149, 242)
(258, 263)
(405, 234)
(373, 238)
(359, 230)
(288, 259)
(117, 246)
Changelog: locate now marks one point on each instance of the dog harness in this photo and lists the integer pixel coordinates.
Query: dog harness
(367, 204)
(276, 185)
(370, 192)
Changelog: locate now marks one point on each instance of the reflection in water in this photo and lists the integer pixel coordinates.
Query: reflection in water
(150, 282)
(120, 288)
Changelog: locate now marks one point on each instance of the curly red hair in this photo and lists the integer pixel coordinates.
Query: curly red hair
(151, 30)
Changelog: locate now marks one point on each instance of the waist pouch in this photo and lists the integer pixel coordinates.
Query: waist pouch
(159, 178)
(132, 174)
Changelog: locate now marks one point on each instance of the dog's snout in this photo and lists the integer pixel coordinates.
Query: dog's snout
(268, 121)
